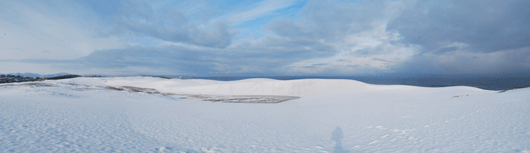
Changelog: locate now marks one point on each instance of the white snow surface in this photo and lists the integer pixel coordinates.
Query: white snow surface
(329, 116)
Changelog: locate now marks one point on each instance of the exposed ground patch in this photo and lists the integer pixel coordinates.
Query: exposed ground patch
(212, 98)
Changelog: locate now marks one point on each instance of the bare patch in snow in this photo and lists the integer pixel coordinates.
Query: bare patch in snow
(212, 98)
(31, 84)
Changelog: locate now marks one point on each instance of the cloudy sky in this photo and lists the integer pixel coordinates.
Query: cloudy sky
(268, 37)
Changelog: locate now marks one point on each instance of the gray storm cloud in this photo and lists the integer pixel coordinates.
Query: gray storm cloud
(467, 37)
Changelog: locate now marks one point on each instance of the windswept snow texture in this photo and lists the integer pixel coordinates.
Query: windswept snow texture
(81, 115)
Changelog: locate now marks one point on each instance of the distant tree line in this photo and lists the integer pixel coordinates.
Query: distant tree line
(17, 78)
(94, 76)
(62, 77)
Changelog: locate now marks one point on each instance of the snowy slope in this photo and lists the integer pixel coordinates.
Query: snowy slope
(329, 116)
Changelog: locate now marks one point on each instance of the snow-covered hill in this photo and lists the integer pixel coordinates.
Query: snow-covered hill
(146, 114)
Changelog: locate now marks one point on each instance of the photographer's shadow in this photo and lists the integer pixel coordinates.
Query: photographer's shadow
(337, 137)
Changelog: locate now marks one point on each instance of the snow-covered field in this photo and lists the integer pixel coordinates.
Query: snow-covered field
(145, 114)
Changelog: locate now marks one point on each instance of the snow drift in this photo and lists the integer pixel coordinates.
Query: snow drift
(82, 115)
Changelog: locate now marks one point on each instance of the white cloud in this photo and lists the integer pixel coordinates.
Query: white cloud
(372, 50)
(37, 32)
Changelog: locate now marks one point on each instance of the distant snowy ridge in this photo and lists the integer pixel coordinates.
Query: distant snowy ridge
(301, 88)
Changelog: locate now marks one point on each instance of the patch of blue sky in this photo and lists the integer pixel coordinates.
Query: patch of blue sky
(103, 7)
(255, 28)
(247, 17)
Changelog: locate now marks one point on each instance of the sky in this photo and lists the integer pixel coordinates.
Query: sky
(267, 38)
